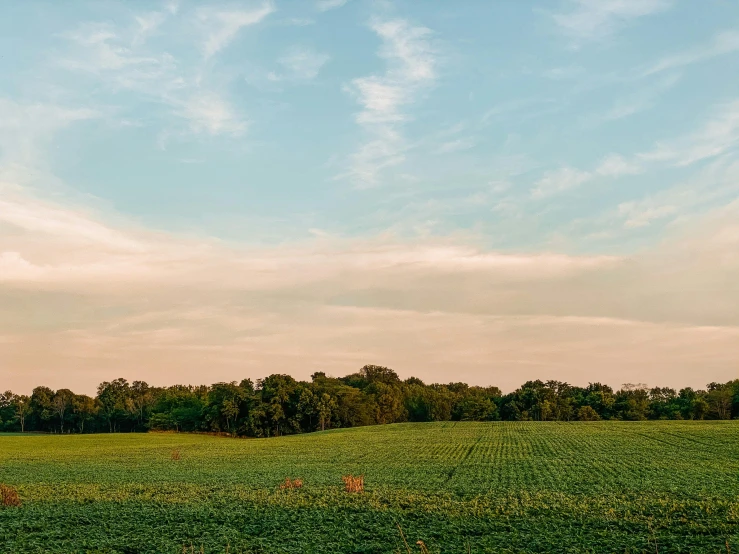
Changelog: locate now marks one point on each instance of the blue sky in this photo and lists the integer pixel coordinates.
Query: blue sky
(181, 173)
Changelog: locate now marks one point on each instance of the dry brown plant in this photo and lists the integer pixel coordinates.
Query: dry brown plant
(353, 484)
(9, 496)
(291, 484)
(176, 454)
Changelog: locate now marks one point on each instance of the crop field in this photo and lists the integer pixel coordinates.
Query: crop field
(653, 487)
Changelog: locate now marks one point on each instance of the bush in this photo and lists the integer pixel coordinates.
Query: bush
(586, 413)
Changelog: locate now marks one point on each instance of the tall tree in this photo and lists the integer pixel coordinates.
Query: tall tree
(84, 408)
(42, 409)
(60, 403)
(325, 408)
(113, 396)
(719, 399)
(22, 405)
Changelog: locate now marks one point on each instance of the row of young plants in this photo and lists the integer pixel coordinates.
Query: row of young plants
(511, 486)
(279, 404)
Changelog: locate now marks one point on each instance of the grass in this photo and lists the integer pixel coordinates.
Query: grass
(464, 487)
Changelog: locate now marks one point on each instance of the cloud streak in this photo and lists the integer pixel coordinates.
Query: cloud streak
(26, 127)
(301, 64)
(411, 67)
(120, 60)
(591, 20)
(326, 5)
(722, 44)
(222, 26)
(559, 181)
(718, 136)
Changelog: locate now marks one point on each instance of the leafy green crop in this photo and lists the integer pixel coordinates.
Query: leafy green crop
(486, 487)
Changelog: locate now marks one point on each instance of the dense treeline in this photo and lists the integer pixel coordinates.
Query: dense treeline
(280, 405)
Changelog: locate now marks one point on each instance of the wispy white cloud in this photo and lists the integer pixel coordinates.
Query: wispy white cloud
(411, 66)
(685, 203)
(120, 59)
(589, 20)
(508, 107)
(148, 23)
(25, 128)
(50, 251)
(456, 145)
(564, 72)
(222, 26)
(637, 214)
(300, 21)
(615, 165)
(558, 181)
(723, 43)
(105, 49)
(718, 136)
(636, 101)
(411, 62)
(34, 216)
(717, 184)
(326, 5)
(301, 63)
(208, 113)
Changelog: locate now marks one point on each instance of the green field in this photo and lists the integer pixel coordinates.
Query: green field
(460, 487)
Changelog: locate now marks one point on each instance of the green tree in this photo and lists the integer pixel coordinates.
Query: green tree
(587, 413)
(42, 409)
(325, 408)
(379, 374)
(224, 406)
(388, 400)
(719, 400)
(85, 409)
(22, 405)
(61, 402)
(632, 402)
(7, 410)
(280, 395)
(476, 407)
(601, 398)
(307, 407)
(664, 404)
(139, 401)
(113, 397)
(179, 408)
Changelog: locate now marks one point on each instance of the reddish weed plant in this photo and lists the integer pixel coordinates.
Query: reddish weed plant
(353, 484)
(9, 496)
(291, 484)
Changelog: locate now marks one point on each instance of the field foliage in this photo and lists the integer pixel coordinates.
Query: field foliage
(458, 487)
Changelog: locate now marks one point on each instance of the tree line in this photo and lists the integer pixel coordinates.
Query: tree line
(280, 405)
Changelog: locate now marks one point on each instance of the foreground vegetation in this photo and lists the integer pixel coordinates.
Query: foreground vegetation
(279, 405)
(459, 487)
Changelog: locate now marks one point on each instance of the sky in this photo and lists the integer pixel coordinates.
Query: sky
(479, 191)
